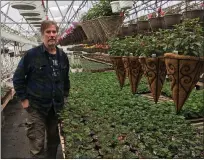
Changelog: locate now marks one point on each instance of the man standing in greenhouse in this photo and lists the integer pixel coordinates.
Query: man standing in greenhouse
(41, 81)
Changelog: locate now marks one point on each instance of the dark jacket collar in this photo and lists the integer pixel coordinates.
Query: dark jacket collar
(44, 49)
(59, 52)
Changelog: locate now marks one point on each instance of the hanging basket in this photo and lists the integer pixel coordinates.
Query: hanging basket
(125, 31)
(111, 25)
(119, 69)
(172, 19)
(99, 30)
(93, 32)
(126, 4)
(197, 13)
(184, 73)
(126, 65)
(135, 73)
(81, 34)
(115, 6)
(155, 72)
(87, 30)
(156, 23)
(132, 29)
(143, 26)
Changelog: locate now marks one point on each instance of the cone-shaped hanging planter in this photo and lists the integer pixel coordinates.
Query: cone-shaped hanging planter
(119, 69)
(155, 71)
(126, 65)
(111, 25)
(135, 73)
(183, 72)
(86, 27)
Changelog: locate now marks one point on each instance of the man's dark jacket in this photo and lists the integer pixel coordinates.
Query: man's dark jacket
(33, 79)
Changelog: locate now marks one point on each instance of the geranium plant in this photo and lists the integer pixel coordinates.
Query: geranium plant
(187, 38)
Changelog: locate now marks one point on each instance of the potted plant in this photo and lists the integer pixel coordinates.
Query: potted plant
(132, 28)
(156, 20)
(185, 64)
(102, 21)
(125, 31)
(126, 4)
(143, 24)
(127, 49)
(172, 17)
(194, 11)
(135, 71)
(115, 53)
(115, 6)
(153, 62)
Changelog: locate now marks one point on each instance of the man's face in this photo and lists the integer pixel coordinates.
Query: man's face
(50, 36)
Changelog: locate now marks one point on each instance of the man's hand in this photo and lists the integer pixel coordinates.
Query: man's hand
(25, 103)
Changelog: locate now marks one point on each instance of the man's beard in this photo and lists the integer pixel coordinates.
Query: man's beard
(51, 45)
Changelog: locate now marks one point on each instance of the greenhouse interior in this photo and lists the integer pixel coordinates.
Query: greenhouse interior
(136, 71)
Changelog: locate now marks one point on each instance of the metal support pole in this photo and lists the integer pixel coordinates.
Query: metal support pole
(47, 9)
(60, 11)
(51, 14)
(66, 13)
(5, 5)
(6, 13)
(3, 47)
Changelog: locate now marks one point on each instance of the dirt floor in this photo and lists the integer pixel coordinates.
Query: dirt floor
(14, 143)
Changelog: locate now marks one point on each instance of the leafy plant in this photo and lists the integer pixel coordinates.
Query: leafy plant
(102, 121)
(187, 38)
(128, 46)
(102, 8)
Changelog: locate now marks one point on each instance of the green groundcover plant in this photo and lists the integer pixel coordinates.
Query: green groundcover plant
(103, 121)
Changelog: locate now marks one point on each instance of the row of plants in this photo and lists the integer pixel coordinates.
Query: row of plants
(102, 121)
(94, 66)
(177, 53)
(89, 49)
(100, 24)
(99, 57)
(169, 17)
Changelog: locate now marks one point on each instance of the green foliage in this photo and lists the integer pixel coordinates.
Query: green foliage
(102, 8)
(194, 107)
(102, 121)
(76, 66)
(90, 65)
(187, 38)
(125, 47)
(153, 44)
